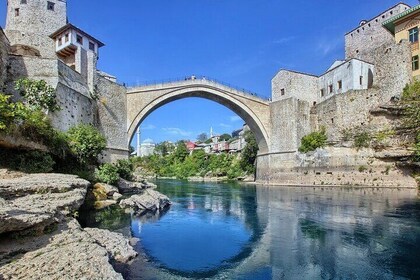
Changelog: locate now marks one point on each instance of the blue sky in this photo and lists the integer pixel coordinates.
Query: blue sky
(244, 43)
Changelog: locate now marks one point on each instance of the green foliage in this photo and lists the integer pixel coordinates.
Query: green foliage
(7, 111)
(417, 147)
(313, 140)
(249, 153)
(362, 139)
(202, 137)
(410, 100)
(38, 94)
(225, 137)
(107, 173)
(125, 169)
(35, 162)
(86, 143)
(164, 148)
(181, 152)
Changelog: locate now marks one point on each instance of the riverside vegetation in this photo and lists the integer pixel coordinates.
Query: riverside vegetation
(182, 165)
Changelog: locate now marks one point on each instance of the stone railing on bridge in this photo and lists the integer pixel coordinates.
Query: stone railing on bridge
(195, 80)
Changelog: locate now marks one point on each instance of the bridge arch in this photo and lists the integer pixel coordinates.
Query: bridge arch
(142, 101)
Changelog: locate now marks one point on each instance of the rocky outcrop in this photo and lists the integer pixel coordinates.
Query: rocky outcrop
(33, 202)
(128, 187)
(148, 201)
(69, 253)
(115, 243)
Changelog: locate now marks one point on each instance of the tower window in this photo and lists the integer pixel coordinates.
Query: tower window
(413, 34)
(361, 80)
(50, 6)
(282, 91)
(340, 84)
(23, 2)
(79, 39)
(17, 12)
(415, 62)
(91, 46)
(330, 89)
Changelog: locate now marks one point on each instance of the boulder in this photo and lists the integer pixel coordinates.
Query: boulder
(32, 202)
(115, 243)
(148, 201)
(128, 187)
(103, 204)
(116, 196)
(68, 253)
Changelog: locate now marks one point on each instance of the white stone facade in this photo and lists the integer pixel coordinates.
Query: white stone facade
(343, 76)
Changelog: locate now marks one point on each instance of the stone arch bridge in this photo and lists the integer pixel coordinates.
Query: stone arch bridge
(255, 111)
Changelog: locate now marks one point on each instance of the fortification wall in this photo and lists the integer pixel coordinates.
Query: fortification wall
(4, 59)
(352, 109)
(288, 84)
(368, 36)
(74, 100)
(290, 122)
(112, 114)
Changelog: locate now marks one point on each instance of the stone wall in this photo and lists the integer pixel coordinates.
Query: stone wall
(290, 122)
(352, 109)
(4, 59)
(288, 84)
(369, 35)
(74, 100)
(112, 117)
(34, 23)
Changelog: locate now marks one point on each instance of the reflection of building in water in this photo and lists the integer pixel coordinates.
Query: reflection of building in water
(147, 148)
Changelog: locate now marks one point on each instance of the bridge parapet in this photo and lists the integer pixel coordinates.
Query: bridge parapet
(196, 81)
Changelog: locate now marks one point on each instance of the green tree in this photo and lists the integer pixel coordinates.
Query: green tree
(313, 140)
(38, 94)
(86, 143)
(202, 137)
(249, 153)
(410, 100)
(107, 173)
(225, 137)
(181, 151)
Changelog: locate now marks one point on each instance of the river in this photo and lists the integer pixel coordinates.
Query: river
(233, 231)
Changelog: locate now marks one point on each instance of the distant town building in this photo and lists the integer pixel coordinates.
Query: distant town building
(147, 148)
(405, 26)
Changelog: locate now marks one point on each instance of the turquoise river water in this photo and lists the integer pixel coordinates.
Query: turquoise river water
(232, 231)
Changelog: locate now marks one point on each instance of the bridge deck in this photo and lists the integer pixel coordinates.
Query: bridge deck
(196, 81)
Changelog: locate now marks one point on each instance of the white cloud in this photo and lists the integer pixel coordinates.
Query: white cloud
(225, 125)
(235, 119)
(176, 131)
(148, 127)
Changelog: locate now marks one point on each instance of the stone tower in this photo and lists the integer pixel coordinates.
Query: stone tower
(30, 23)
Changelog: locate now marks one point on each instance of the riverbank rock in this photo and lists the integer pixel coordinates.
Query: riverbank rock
(32, 202)
(68, 253)
(148, 201)
(128, 187)
(115, 243)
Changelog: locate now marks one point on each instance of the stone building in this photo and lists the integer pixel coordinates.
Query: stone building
(147, 148)
(370, 34)
(41, 44)
(405, 27)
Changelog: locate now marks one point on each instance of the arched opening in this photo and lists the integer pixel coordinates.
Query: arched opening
(144, 109)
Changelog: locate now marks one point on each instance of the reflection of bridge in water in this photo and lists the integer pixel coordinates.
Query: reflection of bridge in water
(314, 233)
